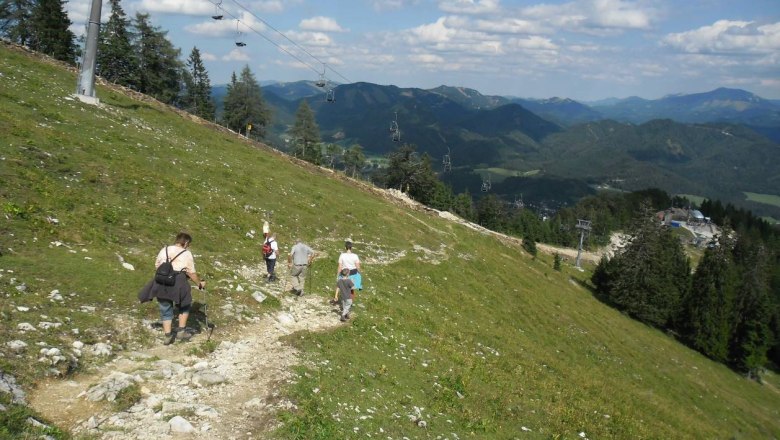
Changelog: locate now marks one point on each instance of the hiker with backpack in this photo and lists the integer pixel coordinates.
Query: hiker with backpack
(270, 252)
(298, 261)
(174, 266)
(350, 261)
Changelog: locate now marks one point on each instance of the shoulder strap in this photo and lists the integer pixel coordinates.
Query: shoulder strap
(166, 254)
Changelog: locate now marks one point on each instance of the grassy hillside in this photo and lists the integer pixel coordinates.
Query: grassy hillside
(455, 328)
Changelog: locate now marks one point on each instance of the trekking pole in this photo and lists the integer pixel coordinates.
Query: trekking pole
(210, 327)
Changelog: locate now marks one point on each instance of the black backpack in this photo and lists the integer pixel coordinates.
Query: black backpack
(165, 274)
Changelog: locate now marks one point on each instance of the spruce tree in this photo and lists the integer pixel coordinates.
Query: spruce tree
(354, 160)
(15, 21)
(116, 58)
(50, 33)
(198, 99)
(463, 205)
(244, 105)
(648, 278)
(159, 68)
(752, 336)
(706, 318)
(306, 135)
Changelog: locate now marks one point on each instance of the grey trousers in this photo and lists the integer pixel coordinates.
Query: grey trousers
(298, 276)
(346, 305)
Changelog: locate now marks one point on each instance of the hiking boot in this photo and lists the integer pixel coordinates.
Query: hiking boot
(343, 319)
(299, 292)
(167, 338)
(184, 333)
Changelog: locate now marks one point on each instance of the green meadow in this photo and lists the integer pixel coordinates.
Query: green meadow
(457, 334)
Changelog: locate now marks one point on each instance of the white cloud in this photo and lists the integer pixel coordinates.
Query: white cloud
(236, 55)
(318, 39)
(533, 43)
(185, 7)
(437, 32)
(728, 37)
(593, 16)
(393, 5)
(469, 6)
(427, 58)
(247, 25)
(321, 24)
(207, 56)
(510, 26)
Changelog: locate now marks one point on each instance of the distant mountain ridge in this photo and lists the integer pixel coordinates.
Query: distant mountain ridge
(558, 138)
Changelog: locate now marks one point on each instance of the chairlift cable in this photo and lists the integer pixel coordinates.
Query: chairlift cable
(290, 40)
(271, 41)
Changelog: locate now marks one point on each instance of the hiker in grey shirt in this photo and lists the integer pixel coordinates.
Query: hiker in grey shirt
(298, 261)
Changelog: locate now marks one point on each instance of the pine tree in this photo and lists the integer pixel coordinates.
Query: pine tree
(306, 135)
(752, 336)
(15, 21)
(50, 33)
(116, 58)
(649, 277)
(557, 262)
(707, 312)
(244, 105)
(198, 99)
(354, 159)
(491, 212)
(334, 153)
(159, 68)
(463, 205)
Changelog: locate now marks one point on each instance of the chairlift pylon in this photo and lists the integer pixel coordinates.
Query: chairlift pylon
(447, 161)
(218, 15)
(486, 184)
(395, 131)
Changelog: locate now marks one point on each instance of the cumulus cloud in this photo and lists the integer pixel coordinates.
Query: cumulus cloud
(310, 38)
(321, 24)
(207, 56)
(469, 6)
(728, 37)
(510, 26)
(247, 24)
(236, 55)
(593, 16)
(427, 58)
(186, 7)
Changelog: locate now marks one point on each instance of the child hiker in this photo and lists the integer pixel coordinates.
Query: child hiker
(344, 285)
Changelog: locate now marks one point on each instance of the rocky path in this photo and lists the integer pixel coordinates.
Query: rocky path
(230, 393)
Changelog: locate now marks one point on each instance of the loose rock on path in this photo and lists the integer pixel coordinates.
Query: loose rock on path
(230, 393)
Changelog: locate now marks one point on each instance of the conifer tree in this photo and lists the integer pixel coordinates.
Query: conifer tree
(354, 160)
(649, 277)
(306, 135)
(198, 99)
(15, 21)
(707, 313)
(50, 34)
(116, 58)
(244, 105)
(334, 153)
(491, 212)
(463, 205)
(752, 336)
(159, 68)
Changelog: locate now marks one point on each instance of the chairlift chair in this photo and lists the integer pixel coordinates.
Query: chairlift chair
(239, 41)
(218, 15)
(397, 135)
(321, 81)
(330, 96)
(486, 184)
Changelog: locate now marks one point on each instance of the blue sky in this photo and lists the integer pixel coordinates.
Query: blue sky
(580, 49)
